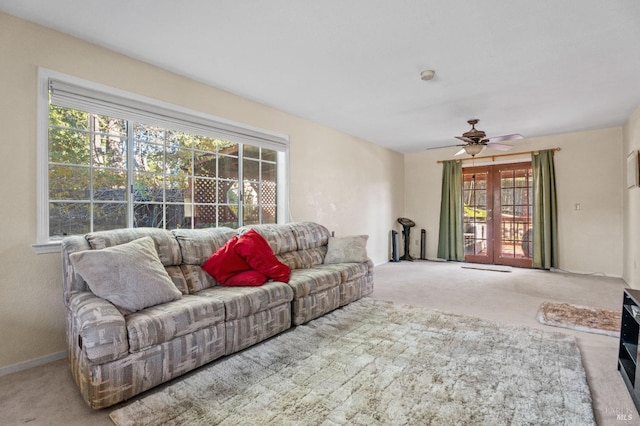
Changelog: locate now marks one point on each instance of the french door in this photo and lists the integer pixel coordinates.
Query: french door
(497, 217)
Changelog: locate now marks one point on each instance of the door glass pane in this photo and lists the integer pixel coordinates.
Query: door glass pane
(475, 213)
(506, 178)
(515, 220)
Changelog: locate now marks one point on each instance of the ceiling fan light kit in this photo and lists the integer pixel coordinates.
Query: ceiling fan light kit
(473, 149)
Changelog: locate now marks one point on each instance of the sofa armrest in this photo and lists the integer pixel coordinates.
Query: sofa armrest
(98, 328)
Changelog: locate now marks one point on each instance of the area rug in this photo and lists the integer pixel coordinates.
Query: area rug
(581, 318)
(379, 363)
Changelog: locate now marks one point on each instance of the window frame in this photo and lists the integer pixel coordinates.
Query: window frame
(228, 129)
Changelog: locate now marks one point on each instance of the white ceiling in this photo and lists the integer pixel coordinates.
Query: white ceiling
(532, 67)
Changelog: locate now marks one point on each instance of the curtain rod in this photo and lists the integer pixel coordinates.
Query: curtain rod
(493, 157)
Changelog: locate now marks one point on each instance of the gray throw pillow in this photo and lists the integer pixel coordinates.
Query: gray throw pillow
(347, 249)
(129, 275)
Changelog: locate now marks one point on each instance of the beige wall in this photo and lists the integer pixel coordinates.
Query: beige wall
(588, 172)
(631, 209)
(348, 184)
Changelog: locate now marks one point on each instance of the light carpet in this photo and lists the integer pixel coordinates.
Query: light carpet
(379, 363)
(581, 318)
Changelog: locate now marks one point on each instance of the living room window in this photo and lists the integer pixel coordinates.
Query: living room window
(111, 160)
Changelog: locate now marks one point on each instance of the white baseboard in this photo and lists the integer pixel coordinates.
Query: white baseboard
(32, 363)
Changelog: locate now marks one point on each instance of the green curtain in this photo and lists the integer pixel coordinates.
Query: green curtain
(450, 244)
(545, 211)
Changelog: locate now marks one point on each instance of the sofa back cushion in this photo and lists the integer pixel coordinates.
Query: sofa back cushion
(197, 245)
(280, 237)
(166, 244)
(197, 278)
(309, 235)
(303, 259)
(311, 239)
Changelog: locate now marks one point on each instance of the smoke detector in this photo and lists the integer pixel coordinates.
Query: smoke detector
(427, 75)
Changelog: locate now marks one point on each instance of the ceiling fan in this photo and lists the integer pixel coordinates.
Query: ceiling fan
(476, 140)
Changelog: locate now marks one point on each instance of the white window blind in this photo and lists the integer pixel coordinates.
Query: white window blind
(68, 95)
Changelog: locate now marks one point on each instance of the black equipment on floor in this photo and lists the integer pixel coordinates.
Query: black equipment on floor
(407, 224)
(395, 257)
(423, 244)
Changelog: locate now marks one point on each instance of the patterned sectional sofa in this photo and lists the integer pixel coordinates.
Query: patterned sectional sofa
(115, 355)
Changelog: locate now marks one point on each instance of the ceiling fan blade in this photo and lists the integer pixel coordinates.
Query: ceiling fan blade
(439, 147)
(504, 138)
(465, 139)
(499, 146)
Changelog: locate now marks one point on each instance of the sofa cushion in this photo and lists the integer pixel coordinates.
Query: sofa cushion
(292, 259)
(166, 245)
(162, 323)
(355, 289)
(306, 308)
(225, 262)
(255, 250)
(241, 302)
(300, 259)
(101, 329)
(197, 245)
(348, 271)
(176, 275)
(196, 277)
(347, 249)
(308, 281)
(279, 237)
(309, 235)
(129, 275)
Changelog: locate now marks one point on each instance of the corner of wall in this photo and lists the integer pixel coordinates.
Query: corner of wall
(631, 207)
